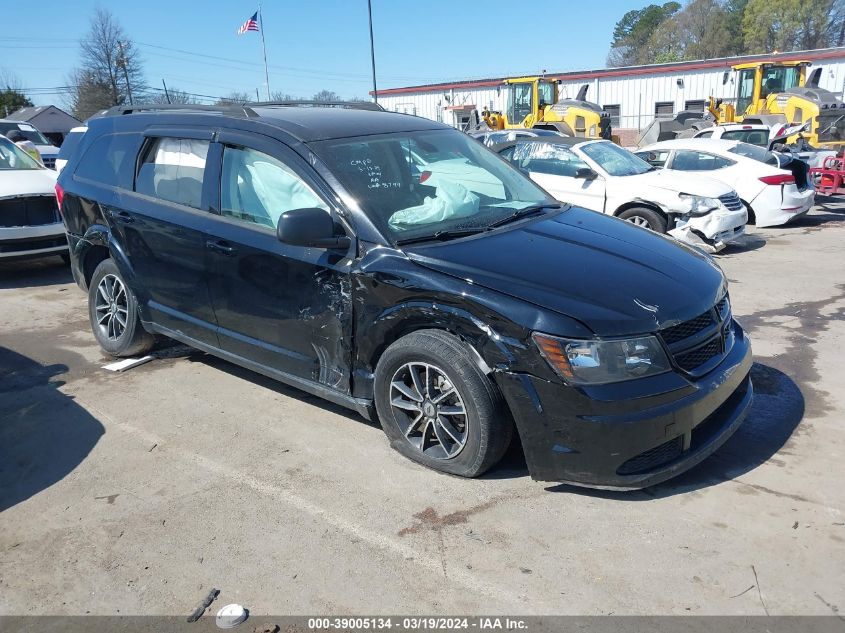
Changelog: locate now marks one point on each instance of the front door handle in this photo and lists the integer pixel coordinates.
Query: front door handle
(123, 216)
(221, 247)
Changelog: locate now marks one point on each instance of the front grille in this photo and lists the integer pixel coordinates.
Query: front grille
(692, 344)
(731, 201)
(653, 458)
(30, 211)
(49, 163)
(687, 328)
(698, 356)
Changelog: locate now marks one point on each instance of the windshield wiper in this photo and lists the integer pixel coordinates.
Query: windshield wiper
(525, 211)
(441, 235)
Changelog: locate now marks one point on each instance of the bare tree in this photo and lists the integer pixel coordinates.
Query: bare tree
(284, 96)
(110, 72)
(234, 97)
(176, 96)
(327, 95)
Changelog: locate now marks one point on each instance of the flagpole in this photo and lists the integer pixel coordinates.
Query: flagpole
(264, 48)
(372, 50)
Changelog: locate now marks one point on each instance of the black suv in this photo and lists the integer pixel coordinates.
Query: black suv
(396, 266)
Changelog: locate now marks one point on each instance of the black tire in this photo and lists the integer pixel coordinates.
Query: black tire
(488, 427)
(131, 339)
(752, 219)
(650, 218)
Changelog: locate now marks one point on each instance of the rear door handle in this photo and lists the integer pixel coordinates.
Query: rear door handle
(123, 216)
(221, 247)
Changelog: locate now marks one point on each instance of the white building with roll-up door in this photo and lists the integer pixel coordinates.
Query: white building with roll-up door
(632, 95)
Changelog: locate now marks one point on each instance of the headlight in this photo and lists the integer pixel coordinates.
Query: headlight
(595, 362)
(699, 205)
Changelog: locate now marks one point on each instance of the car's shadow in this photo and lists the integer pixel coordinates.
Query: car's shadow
(777, 410)
(32, 273)
(44, 434)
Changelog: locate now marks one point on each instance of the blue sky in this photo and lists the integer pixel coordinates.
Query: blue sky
(312, 45)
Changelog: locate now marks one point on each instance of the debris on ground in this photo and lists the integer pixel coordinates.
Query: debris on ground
(231, 616)
(127, 363)
(211, 597)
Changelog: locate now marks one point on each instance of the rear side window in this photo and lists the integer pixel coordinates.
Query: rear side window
(688, 160)
(110, 160)
(70, 144)
(172, 169)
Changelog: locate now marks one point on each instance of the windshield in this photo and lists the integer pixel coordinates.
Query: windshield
(26, 130)
(615, 160)
(418, 184)
(13, 157)
(754, 137)
(755, 152)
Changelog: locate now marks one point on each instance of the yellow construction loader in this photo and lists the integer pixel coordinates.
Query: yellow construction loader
(778, 94)
(534, 102)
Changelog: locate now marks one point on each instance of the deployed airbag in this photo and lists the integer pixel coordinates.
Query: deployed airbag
(450, 201)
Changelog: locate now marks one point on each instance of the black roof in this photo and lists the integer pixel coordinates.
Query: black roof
(317, 124)
(305, 124)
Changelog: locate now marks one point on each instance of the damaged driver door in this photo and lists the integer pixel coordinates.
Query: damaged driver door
(286, 308)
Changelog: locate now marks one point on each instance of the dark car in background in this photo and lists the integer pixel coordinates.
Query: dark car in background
(397, 267)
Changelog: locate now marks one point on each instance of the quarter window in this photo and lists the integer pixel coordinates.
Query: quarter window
(258, 188)
(110, 160)
(173, 169)
(688, 160)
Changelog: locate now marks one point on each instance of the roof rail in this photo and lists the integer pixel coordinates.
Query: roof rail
(353, 105)
(232, 109)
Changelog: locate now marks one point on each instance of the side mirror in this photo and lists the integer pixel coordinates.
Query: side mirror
(586, 173)
(310, 227)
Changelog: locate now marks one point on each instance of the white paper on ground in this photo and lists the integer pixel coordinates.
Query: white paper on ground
(127, 363)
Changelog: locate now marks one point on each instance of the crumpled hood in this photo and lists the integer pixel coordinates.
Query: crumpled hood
(23, 182)
(614, 277)
(682, 182)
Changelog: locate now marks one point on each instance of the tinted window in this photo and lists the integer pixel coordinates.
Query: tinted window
(755, 152)
(258, 188)
(688, 160)
(70, 144)
(110, 160)
(706, 134)
(26, 130)
(173, 169)
(755, 137)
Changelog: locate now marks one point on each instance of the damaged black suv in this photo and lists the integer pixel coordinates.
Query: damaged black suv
(397, 267)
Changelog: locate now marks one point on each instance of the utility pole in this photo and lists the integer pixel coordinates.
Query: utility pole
(121, 62)
(166, 94)
(372, 50)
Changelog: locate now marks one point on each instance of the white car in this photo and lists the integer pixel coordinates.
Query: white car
(752, 133)
(30, 225)
(774, 187)
(69, 145)
(603, 177)
(47, 150)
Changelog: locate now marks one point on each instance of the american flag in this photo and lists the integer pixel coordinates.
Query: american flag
(250, 25)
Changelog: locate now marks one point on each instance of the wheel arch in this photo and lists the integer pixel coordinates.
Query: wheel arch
(633, 204)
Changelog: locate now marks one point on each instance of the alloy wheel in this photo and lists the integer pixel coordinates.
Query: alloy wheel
(112, 308)
(639, 221)
(429, 410)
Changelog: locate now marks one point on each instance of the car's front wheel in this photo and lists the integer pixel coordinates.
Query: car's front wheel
(645, 217)
(113, 312)
(438, 408)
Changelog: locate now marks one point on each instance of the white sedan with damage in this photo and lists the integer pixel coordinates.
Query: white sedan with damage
(775, 187)
(603, 177)
(30, 225)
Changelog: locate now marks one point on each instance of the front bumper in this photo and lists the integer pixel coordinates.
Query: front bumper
(713, 231)
(32, 241)
(627, 436)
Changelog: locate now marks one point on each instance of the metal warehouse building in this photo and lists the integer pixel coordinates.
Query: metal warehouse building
(632, 95)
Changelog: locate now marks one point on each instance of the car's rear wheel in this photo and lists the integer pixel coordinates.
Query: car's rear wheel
(644, 217)
(113, 312)
(438, 408)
